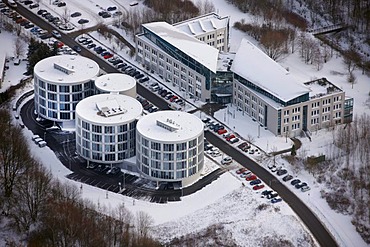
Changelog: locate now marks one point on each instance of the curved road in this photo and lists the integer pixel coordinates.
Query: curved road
(321, 234)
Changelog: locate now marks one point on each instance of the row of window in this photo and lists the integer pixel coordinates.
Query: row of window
(169, 147)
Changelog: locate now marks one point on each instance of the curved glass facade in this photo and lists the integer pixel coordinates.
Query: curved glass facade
(170, 161)
(58, 102)
(105, 143)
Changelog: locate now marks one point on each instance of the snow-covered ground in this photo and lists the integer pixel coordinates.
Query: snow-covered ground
(225, 200)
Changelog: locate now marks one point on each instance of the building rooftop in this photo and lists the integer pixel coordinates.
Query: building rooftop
(109, 109)
(321, 87)
(255, 66)
(66, 69)
(115, 82)
(203, 24)
(225, 61)
(170, 126)
(198, 50)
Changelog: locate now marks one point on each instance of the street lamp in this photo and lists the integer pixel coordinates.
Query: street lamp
(119, 184)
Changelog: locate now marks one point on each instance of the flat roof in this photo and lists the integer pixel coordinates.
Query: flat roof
(198, 50)
(90, 109)
(115, 82)
(66, 69)
(255, 66)
(203, 24)
(173, 127)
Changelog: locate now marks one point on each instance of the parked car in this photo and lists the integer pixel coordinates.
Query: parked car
(287, 178)
(266, 192)
(276, 200)
(112, 8)
(221, 131)
(76, 14)
(300, 185)
(231, 136)
(144, 79)
(35, 5)
(241, 170)
(281, 172)
(272, 195)
(295, 181)
(255, 182)
(234, 140)
(251, 177)
(258, 186)
(305, 188)
(226, 160)
(82, 21)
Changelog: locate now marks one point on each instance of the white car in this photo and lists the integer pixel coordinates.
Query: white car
(226, 160)
(56, 34)
(305, 188)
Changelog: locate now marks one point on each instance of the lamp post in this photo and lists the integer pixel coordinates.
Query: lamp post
(119, 184)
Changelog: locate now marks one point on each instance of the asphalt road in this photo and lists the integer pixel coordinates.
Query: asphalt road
(321, 234)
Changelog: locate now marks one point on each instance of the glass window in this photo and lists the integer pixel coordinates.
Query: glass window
(64, 89)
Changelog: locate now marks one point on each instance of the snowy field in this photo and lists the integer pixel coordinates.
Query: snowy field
(225, 200)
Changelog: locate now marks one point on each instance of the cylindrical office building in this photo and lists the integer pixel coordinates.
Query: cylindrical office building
(60, 82)
(169, 147)
(116, 83)
(105, 127)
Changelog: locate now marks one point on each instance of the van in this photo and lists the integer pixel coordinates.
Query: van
(17, 61)
(42, 144)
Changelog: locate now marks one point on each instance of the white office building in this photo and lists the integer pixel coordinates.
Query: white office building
(178, 58)
(170, 147)
(211, 29)
(60, 82)
(276, 100)
(116, 83)
(106, 126)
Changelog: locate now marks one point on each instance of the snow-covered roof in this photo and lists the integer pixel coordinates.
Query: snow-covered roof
(170, 126)
(198, 50)
(115, 82)
(203, 24)
(123, 109)
(66, 69)
(255, 66)
(224, 61)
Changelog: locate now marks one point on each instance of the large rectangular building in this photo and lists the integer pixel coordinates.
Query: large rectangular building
(178, 58)
(270, 95)
(211, 29)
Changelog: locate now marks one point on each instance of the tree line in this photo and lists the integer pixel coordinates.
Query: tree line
(43, 211)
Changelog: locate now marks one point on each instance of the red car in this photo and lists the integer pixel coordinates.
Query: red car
(258, 187)
(220, 132)
(174, 98)
(251, 177)
(229, 137)
(108, 56)
(241, 170)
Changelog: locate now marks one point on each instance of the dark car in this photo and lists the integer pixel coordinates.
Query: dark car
(82, 21)
(272, 195)
(146, 107)
(144, 79)
(29, 25)
(61, 4)
(276, 200)
(27, 2)
(287, 178)
(295, 181)
(112, 8)
(91, 46)
(281, 172)
(76, 14)
(266, 192)
(106, 15)
(76, 48)
(298, 186)
(255, 182)
(35, 5)
(139, 76)
(41, 11)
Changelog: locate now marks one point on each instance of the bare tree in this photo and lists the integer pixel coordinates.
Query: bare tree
(19, 47)
(143, 224)
(14, 154)
(274, 44)
(205, 7)
(65, 17)
(31, 196)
